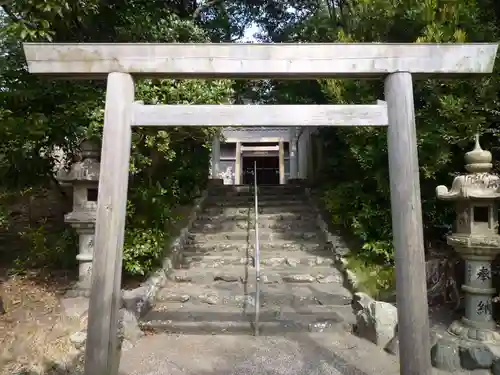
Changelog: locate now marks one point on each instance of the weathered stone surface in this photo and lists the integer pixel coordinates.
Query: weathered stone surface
(270, 279)
(329, 279)
(183, 278)
(332, 299)
(292, 262)
(126, 345)
(299, 278)
(361, 301)
(211, 299)
(129, 327)
(222, 283)
(392, 346)
(78, 339)
(167, 296)
(137, 300)
(157, 279)
(351, 279)
(322, 326)
(495, 367)
(377, 322)
(272, 261)
(445, 355)
(319, 261)
(129, 331)
(226, 277)
(75, 307)
(245, 300)
(309, 235)
(76, 292)
(476, 357)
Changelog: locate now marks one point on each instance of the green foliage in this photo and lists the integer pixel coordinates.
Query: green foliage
(48, 248)
(355, 179)
(378, 281)
(448, 114)
(143, 248)
(168, 166)
(4, 212)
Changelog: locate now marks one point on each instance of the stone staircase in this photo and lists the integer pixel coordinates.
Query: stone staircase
(214, 291)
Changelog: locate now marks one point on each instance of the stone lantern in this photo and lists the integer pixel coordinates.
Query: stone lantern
(477, 241)
(84, 177)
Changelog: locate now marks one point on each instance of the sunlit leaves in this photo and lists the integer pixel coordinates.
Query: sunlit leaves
(448, 113)
(168, 166)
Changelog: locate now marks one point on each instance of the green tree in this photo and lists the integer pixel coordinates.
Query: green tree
(169, 165)
(355, 178)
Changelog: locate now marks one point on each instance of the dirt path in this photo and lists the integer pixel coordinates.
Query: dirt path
(34, 333)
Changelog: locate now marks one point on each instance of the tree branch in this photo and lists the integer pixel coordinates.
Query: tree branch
(9, 13)
(204, 6)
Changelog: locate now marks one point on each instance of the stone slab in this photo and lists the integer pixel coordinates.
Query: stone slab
(337, 353)
(192, 318)
(453, 354)
(218, 247)
(211, 211)
(274, 274)
(300, 296)
(249, 236)
(211, 227)
(245, 203)
(263, 198)
(272, 258)
(273, 217)
(76, 307)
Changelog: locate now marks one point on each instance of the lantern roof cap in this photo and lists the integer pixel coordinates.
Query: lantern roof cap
(479, 183)
(478, 160)
(86, 170)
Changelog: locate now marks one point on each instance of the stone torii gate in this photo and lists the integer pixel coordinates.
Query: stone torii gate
(398, 64)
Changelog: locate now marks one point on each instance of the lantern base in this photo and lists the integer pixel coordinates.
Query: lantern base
(468, 331)
(77, 290)
(463, 347)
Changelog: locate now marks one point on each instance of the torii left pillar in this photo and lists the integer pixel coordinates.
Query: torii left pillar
(105, 298)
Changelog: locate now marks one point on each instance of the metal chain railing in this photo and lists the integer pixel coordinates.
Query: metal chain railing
(256, 254)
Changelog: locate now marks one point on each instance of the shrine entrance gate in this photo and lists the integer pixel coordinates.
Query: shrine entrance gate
(397, 64)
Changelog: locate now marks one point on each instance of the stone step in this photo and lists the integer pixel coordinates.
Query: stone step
(244, 225)
(231, 190)
(222, 246)
(297, 296)
(250, 197)
(231, 211)
(270, 217)
(192, 319)
(269, 275)
(280, 202)
(266, 259)
(249, 236)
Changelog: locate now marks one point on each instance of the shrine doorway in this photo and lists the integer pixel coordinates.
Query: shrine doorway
(267, 167)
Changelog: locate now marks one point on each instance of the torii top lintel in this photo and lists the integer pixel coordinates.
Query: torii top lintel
(298, 61)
